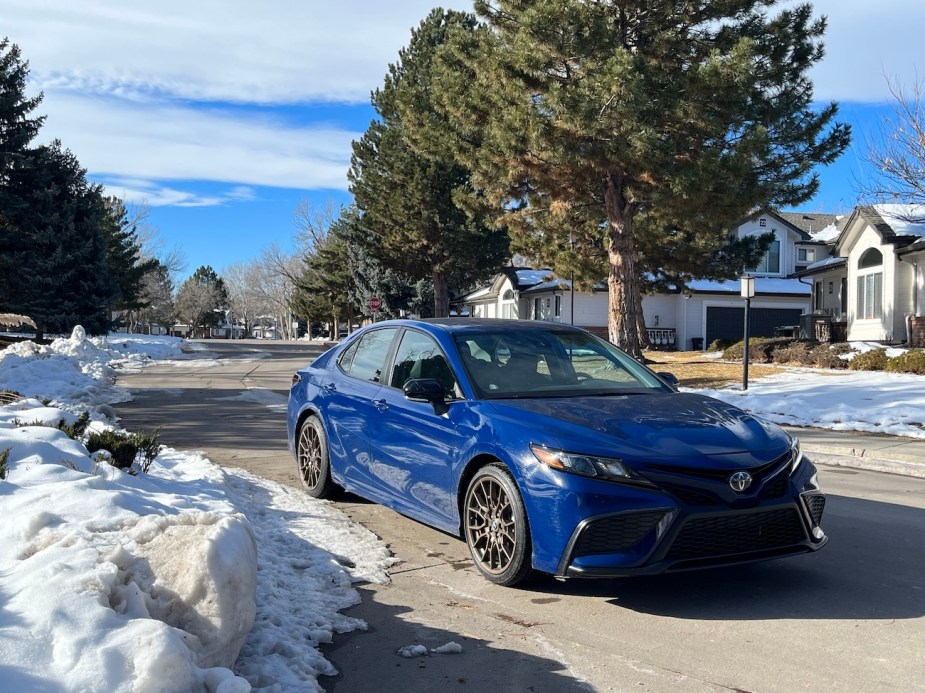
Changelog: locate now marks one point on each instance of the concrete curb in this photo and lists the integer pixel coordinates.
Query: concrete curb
(862, 458)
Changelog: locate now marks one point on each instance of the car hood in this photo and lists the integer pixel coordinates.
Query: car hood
(685, 426)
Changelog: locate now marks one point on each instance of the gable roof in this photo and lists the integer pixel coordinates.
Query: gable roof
(809, 223)
(895, 224)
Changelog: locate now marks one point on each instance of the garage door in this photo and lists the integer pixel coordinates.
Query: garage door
(729, 323)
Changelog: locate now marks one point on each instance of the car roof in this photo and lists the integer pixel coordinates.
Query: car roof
(481, 324)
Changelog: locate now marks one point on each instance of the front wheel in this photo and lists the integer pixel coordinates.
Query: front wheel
(313, 460)
(496, 527)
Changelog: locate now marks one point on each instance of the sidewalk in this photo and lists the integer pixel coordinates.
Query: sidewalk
(879, 453)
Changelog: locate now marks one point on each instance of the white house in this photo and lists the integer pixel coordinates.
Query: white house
(692, 318)
(874, 279)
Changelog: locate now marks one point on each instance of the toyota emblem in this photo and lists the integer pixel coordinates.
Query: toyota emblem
(740, 481)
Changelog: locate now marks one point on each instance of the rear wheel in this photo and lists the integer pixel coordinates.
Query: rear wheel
(312, 457)
(496, 527)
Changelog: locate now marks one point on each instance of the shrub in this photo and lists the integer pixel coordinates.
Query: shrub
(720, 344)
(827, 356)
(909, 362)
(796, 352)
(124, 447)
(759, 349)
(873, 360)
(4, 458)
(9, 396)
(78, 428)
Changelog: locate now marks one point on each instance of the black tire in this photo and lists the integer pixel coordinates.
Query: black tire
(495, 527)
(312, 459)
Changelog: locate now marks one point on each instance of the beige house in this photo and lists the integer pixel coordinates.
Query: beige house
(874, 280)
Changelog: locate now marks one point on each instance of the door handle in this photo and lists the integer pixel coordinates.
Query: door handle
(381, 404)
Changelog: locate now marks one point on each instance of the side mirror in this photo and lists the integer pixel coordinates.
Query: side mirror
(424, 390)
(669, 378)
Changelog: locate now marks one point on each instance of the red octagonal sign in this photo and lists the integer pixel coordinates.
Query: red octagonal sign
(375, 303)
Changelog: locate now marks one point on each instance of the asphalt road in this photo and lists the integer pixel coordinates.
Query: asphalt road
(848, 618)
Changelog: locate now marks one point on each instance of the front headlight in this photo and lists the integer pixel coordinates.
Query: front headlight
(796, 455)
(586, 465)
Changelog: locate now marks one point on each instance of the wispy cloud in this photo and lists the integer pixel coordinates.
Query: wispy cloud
(164, 142)
(155, 194)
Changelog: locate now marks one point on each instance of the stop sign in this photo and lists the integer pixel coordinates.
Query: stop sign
(375, 303)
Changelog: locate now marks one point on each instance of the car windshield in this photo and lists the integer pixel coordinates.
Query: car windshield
(509, 363)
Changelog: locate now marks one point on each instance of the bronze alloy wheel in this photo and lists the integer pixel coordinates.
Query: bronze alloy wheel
(312, 456)
(496, 527)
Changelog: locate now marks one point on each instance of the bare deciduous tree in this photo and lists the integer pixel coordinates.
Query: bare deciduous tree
(896, 152)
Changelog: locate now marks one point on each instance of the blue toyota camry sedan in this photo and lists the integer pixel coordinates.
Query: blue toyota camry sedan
(546, 448)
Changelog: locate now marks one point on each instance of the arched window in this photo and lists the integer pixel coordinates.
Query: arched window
(508, 295)
(870, 285)
(870, 258)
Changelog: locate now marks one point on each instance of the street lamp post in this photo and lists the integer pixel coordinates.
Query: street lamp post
(748, 291)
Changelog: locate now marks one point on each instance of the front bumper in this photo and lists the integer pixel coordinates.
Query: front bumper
(782, 519)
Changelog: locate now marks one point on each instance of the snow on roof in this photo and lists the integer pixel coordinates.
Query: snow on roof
(827, 262)
(829, 233)
(763, 285)
(898, 216)
(531, 277)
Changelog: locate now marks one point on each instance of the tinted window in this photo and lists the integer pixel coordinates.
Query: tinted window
(369, 358)
(553, 363)
(419, 356)
(346, 359)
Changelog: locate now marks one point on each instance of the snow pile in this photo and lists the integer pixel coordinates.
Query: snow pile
(116, 582)
(867, 401)
(153, 582)
(79, 369)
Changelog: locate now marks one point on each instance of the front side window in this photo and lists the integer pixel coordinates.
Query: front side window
(369, 356)
(418, 356)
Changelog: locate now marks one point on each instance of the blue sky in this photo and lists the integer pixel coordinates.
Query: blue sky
(220, 116)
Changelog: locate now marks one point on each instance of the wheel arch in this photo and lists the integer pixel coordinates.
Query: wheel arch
(471, 469)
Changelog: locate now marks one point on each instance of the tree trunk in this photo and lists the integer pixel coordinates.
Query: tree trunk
(441, 295)
(625, 322)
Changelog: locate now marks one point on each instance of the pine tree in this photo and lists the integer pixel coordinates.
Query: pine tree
(413, 224)
(123, 257)
(17, 125)
(54, 248)
(638, 126)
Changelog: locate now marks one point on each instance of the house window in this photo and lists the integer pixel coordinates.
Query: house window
(507, 305)
(831, 288)
(770, 263)
(843, 298)
(558, 312)
(537, 308)
(806, 255)
(870, 285)
(818, 296)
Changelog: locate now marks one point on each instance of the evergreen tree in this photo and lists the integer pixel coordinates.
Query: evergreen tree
(156, 298)
(123, 256)
(645, 128)
(17, 125)
(54, 249)
(202, 299)
(412, 222)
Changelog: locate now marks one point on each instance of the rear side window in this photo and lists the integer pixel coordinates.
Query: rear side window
(367, 359)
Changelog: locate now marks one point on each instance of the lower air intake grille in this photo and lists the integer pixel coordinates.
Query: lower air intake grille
(616, 533)
(815, 504)
(731, 534)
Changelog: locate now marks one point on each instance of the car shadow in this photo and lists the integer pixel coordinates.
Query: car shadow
(872, 568)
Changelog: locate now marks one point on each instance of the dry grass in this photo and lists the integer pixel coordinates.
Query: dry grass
(694, 369)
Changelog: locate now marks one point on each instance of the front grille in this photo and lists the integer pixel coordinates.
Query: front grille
(776, 488)
(616, 533)
(815, 504)
(757, 473)
(731, 534)
(691, 497)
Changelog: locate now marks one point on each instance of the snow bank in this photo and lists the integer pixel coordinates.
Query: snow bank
(117, 582)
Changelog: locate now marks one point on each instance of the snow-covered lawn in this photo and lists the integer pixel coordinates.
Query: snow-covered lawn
(193, 577)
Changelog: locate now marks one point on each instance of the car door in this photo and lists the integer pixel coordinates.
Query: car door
(415, 446)
(349, 394)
